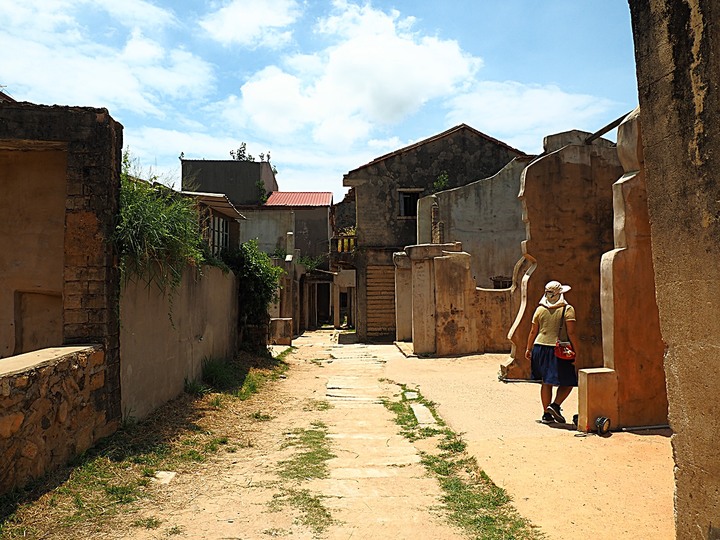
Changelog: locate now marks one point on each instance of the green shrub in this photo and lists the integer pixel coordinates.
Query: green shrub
(258, 283)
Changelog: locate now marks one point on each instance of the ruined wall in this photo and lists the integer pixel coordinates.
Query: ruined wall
(678, 67)
(91, 142)
(567, 197)
(632, 343)
(52, 408)
(32, 207)
(345, 212)
(486, 216)
(159, 354)
(463, 153)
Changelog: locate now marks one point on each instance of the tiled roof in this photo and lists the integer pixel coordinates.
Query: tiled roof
(300, 198)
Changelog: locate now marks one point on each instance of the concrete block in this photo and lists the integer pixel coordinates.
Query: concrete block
(281, 331)
(597, 396)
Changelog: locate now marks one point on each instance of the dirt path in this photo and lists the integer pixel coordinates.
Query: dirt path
(376, 487)
(570, 487)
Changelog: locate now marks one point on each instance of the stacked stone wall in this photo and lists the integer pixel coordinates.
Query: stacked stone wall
(52, 408)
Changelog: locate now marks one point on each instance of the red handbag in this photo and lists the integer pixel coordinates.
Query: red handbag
(564, 348)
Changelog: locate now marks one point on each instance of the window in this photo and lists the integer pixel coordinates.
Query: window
(219, 235)
(408, 201)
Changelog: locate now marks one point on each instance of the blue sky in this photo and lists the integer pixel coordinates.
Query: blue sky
(325, 86)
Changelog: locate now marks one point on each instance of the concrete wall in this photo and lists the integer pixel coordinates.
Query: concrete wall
(51, 409)
(236, 179)
(486, 216)
(270, 227)
(678, 67)
(313, 231)
(567, 201)
(159, 354)
(31, 249)
(632, 388)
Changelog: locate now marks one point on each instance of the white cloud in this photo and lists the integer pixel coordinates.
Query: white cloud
(376, 72)
(136, 13)
(522, 114)
(252, 23)
(73, 69)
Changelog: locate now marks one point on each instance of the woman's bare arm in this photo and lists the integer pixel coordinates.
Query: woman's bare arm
(531, 339)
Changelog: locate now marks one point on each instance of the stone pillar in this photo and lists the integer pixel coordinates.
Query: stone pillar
(403, 296)
(423, 293)
(457, 318)
(424, 219)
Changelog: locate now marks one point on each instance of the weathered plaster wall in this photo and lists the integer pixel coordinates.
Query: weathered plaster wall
(270, 225)
(632, 344)
(678, 67)
(159, 354)
(31, 249)
(486, 216)
(567, 200)
(312, 231)
(270, 228)
(52, 408)
(236, 179)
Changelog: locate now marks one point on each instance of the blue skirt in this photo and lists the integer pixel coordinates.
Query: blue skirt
(546, 367)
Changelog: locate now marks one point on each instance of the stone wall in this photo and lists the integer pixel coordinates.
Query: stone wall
(91, 145)
(678, 68)
(52, 408)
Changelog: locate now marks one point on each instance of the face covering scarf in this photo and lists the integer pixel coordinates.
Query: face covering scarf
(552, 300)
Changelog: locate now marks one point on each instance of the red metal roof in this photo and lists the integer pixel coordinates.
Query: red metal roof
(300, 198)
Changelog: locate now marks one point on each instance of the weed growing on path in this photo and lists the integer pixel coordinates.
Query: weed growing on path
(311, 462)
(472, 500)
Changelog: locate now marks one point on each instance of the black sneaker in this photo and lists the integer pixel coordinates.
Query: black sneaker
(547, 418)
(554, 410)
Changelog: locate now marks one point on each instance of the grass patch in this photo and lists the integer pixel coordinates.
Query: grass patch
(261, 417)
(147, 523)
(312, 512)
(472, 500)
(317, 405)
(311, 461)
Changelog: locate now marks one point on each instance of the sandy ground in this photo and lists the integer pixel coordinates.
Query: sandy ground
(620, 486)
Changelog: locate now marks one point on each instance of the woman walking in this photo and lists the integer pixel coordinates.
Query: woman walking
(552, 313)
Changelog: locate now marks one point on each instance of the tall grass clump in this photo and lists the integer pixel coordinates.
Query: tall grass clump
(158, 232)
